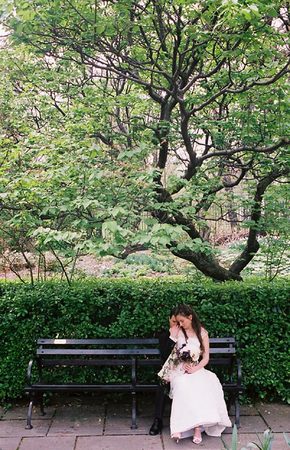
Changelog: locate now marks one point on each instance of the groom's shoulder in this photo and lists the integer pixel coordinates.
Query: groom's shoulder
(162, 334)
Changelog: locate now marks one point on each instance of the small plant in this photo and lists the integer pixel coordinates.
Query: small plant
(234, 443)
(264, 444)
(287, 439)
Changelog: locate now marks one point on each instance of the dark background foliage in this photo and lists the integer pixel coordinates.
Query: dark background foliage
(255, 312)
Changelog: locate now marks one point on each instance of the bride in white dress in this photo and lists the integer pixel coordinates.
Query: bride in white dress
(197, 396)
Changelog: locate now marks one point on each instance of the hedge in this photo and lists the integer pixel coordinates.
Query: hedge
(253, 311)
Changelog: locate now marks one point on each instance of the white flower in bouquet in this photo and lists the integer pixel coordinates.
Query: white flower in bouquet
(189, 353)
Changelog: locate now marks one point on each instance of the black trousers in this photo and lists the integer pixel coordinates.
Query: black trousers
(160, 401)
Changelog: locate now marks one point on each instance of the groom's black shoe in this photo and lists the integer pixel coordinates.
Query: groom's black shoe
(156, 427)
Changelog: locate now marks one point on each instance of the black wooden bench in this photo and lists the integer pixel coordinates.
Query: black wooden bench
(131, 353)
(63, 353)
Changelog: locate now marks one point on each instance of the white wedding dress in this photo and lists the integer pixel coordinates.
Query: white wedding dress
(197, 399)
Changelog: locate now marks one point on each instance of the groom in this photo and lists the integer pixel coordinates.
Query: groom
(167, 339)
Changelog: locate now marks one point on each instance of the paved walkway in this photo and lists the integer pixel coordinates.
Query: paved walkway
(86, 423)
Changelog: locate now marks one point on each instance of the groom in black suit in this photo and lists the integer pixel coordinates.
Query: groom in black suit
(167, 339)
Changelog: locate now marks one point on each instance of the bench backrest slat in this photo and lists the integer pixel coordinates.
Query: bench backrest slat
(227, 340)
(109, 341)
(127, 351)
(96, 352)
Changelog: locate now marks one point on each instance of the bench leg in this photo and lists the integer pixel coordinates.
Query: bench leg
(229, 402)
(29, 415)
(237, 412)
(134, 411)
(43, 413)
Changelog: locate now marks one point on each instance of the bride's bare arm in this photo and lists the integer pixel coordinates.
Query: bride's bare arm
(190, 368)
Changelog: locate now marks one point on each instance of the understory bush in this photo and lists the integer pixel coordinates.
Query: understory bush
(253, 311)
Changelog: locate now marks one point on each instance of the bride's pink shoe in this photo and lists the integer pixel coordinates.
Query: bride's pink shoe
(176, 437)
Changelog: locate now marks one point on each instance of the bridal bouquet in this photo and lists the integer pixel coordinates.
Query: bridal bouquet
(187, 353)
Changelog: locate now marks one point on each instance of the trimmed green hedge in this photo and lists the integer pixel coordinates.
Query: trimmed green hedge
(255, 312)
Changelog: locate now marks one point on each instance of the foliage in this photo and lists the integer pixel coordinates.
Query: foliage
(124, 126)
(275, 244)
(255, 312)
(142, 264)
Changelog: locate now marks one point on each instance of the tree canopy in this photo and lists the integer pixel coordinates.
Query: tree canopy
(124, 123)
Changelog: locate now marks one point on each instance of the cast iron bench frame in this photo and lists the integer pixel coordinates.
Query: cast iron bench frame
(134, 352)
(52, 353)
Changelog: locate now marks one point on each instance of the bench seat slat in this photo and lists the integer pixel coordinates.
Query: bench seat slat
(233, 387)
(97, 362)
(119, 362)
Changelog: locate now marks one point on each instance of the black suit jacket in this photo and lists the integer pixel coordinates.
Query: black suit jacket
(165, 344)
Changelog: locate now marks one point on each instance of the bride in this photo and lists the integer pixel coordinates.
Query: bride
(197, 396)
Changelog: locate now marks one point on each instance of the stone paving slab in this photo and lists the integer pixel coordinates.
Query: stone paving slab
(213, 443)
(9, 443)
(78, 420)
(208, 443)
(125, 410)
(16, 428)
(245, 410)
(119, 410)
(20, 412)
(122, 425)
(119, 443)
(68, 411)
(252, 424)
(48, 443)
(81, 426)
(276, 416)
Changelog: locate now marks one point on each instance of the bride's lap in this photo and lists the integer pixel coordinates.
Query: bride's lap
(201, 379)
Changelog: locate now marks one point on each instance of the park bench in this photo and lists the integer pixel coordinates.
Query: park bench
(52, 354)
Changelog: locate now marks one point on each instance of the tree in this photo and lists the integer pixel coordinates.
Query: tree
(185, 102)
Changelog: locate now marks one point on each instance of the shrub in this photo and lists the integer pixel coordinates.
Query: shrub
(253, 311)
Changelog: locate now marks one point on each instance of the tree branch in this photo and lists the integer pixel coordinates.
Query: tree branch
(283, 143)
(252, 245)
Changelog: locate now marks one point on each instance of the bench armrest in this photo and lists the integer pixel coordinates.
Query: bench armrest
(29, 371)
